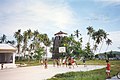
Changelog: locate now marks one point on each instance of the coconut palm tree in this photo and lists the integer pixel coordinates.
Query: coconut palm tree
(36, 33)
(30, 34)
(97, 37)
(3, 38)
(108, 42)
(94, 43)
(46, 42)
(77, 33)
(90, 32)
(25, 41)
(12, 42)
(104, 36)
(19, 39)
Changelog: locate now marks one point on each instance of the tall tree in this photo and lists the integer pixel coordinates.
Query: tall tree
(97, 37)
(3, 38)
(25, 40)
(90, 32)
(108, 42)
(104, 36)
(88, 47)
(19, 39)
(77, 33)
(46, 42)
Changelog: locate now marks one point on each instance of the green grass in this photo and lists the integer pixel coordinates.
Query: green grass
(98, 74)
(29, 63)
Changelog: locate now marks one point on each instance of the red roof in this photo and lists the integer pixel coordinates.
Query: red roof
(60, 33)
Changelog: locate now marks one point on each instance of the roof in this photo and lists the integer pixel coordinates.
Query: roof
(60, 33)
(6, 48)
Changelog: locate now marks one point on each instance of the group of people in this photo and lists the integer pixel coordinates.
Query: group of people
(69, 61)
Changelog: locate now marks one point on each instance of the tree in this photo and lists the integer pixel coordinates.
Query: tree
(3, 38)
(39, 53)
(108, 42)
(90, 32)
(25, 40)
(104, 36)
(98, 37)
(12, 42)
(46, 42)
(88, 51)
(77, 33)
(19, 39)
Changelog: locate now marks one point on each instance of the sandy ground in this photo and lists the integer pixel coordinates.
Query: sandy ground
(39, 73)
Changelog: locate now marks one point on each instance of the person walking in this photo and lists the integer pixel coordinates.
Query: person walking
(45, 63)
(2, 66)
(108, 69)
(84, 62)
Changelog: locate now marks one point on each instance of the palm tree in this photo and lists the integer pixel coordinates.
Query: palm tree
(46, 42)
(77, 33)
(3, 39)
(30, 34)
(36, 33)
(19, 39)
(108, 42)
(12, 42)
(25, 39)
(104, 36)
(94, 43)
(97, 36)
(90, 32)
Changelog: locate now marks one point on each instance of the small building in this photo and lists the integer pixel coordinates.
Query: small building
(56, 44)
(7, 56)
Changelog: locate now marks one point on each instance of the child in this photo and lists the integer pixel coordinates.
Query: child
(84, 62)
(1, 66)
(45, 63)
(108, 69)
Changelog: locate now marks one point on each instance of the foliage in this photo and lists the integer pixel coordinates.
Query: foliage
(39, 53)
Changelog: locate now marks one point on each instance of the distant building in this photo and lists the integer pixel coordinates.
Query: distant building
(7, 55)
(56, 44)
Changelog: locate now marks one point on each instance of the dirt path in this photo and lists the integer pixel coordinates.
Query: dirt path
(39, 73)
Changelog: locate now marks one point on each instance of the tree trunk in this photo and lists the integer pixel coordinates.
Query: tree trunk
(101, 46)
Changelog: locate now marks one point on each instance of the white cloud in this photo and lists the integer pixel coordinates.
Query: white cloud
(41, 15)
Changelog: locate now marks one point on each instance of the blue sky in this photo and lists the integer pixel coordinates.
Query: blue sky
(51, 16)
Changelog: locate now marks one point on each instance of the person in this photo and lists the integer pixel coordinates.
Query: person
(69, 62)
(72, 62)
(75, 62)
(108, 69)
(1, 66)
(64, 62)
(45, 63)
(41, 62)
(53, 62)
(84, 62)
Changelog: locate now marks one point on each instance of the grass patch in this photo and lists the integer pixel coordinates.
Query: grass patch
(29, 63)
(98, 74)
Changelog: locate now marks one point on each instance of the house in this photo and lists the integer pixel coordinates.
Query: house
(7, 56)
